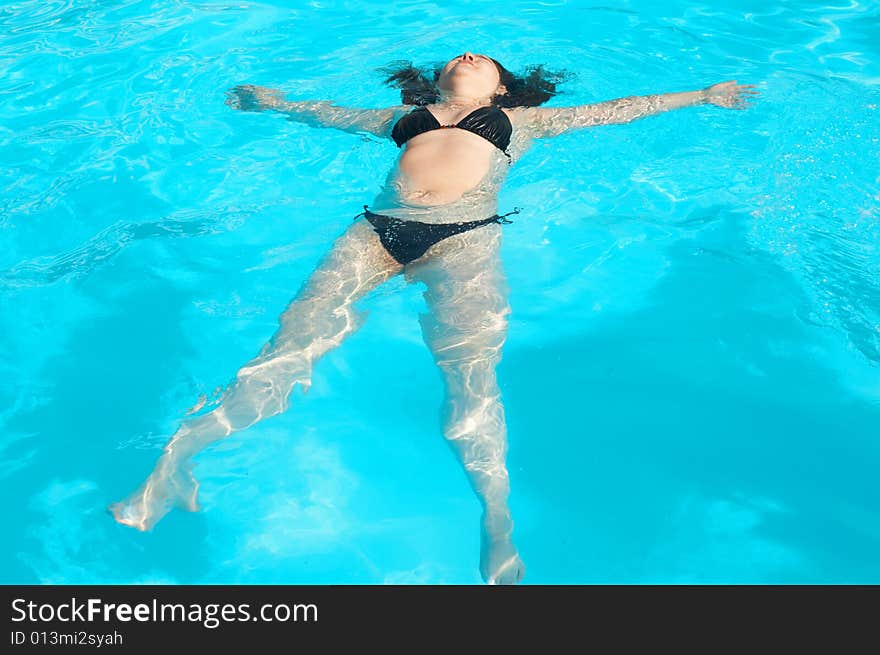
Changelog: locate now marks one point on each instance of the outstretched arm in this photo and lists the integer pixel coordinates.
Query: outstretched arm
(551, 121)
(319, 113)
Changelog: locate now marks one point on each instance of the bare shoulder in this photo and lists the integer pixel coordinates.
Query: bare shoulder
(513, 113)
(396, 112)
(520, 116)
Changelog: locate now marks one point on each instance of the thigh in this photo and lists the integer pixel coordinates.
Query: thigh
(466, 295)
(355, 264)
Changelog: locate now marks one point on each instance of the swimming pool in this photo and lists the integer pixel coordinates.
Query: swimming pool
(691, 374)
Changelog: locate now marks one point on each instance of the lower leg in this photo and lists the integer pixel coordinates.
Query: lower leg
(475, 428)
(316, 321)
(260, 390)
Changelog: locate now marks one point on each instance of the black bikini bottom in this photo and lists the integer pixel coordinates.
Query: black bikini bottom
(409, 240)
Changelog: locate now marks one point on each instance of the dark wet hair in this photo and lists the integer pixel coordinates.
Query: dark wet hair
(418, 86)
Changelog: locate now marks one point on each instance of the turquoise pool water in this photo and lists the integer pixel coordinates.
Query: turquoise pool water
(692, 374)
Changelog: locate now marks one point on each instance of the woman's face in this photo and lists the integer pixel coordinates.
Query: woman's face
(471, 74)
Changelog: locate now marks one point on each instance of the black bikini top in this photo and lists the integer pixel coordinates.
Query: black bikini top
(488, 122)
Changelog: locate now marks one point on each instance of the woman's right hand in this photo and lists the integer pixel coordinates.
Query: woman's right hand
(248, 97)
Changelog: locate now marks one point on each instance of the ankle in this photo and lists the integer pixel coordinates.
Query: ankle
(497, 524)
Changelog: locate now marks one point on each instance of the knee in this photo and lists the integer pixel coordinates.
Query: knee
(485, 456)
(479, 346)
(469, 374)
(475, 419)
(309, 321)
(253, 397)
(311, 308)
(262, 387)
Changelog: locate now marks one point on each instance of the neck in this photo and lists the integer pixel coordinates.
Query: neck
(462, 100)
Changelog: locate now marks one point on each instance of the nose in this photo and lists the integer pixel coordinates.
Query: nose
(468, 56)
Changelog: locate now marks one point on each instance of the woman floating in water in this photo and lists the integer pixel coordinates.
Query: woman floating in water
(436, 222)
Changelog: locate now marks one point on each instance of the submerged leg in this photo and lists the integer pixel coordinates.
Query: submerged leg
(317, 320)
(465, 329)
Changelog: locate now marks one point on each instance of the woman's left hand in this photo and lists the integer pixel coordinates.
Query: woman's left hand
(730, 94)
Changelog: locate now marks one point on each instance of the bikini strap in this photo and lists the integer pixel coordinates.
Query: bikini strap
(502, 219)
(363, 213)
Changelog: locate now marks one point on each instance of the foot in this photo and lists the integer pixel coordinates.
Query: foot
(500, 562)
(169, 485)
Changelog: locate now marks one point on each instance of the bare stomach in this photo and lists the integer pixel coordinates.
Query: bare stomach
(440, 166)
